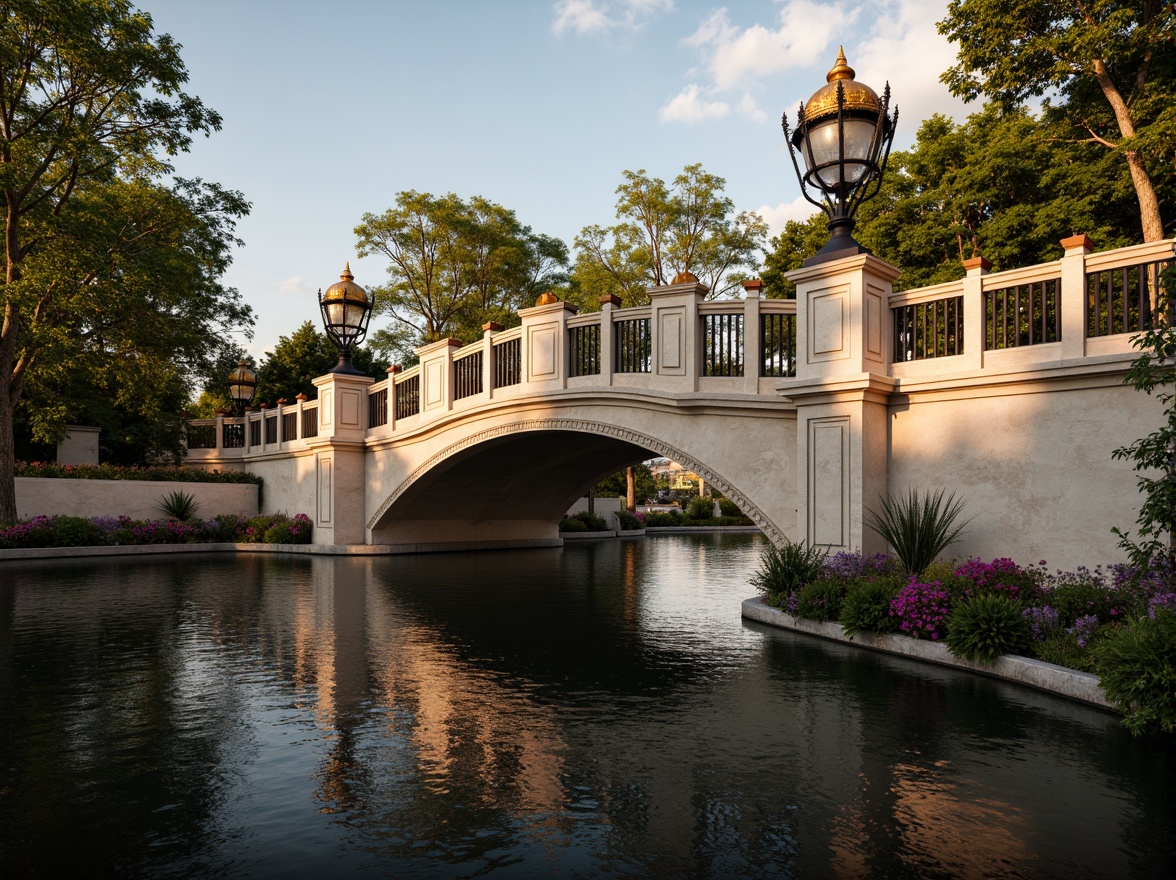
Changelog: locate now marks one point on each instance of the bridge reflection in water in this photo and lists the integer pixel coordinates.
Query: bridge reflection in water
(599, 709)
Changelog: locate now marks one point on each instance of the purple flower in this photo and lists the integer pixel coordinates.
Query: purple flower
(922, 609)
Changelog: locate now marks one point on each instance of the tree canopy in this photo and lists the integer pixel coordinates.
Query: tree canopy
(454, 264)
(91, 100)
(1108, 68)
(297, 359)
(688, 226)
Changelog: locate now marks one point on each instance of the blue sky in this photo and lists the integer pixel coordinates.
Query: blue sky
(330, 110)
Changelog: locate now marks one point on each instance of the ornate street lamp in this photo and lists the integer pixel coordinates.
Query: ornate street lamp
(844, 135)
(242, 384)
(346, 309)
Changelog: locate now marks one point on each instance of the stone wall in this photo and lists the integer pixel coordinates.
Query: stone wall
(138, 499)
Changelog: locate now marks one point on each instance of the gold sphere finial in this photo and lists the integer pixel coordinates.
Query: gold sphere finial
(347, 276)
(685, 278)
(841, 68)
(546, 299)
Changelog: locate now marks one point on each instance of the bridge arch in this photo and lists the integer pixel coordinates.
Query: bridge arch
(554, 451)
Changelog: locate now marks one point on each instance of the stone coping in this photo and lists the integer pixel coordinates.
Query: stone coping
(703, 530)
(1070, 683)
(586, 536)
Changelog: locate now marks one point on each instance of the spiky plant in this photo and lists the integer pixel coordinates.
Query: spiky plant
(918, 526)
(783, 570)
(179, 505)
(986, 627)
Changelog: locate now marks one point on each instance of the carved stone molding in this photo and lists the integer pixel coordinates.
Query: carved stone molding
(600, 429)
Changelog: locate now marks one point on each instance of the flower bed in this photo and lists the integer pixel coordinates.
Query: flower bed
(1119, 623)
(75, 531)
(118, 472)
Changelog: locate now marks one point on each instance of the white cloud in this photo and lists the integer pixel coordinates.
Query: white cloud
(690, 106)
(776, 216)
(295, 285)
(593, 17)
(749, 108)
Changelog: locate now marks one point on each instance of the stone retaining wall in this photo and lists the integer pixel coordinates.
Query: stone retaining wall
(138, 499)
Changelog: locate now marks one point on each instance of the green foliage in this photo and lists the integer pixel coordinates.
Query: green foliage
(290, 368)
(985, 627)
(118, 472)
(821, 600)
(688, 226)
(571, 524)
(664, 518)
(179, 504)
(866, 607)
(276, 528)
(796, 242)
(628, 521)
(616, 485)
(74, 531)
(1080, 596)
(1062, 649)
(919, 527)
(1155, 470)
(727, 507)
(787, 568)
(594, 522)
(1136, 668)
(1107, 65)
(455, 264)
(700, 507)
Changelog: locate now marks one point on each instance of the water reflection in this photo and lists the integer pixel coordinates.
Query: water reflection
(595, 711)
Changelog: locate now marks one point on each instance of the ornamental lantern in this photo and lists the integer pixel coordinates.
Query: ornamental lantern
(242, 384)
(844, 135)
(346, 309)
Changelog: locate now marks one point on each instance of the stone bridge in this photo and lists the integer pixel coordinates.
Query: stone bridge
(1005, 388)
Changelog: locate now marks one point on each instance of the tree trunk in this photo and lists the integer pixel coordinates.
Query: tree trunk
(630, 490)
(8, 399)
(1149, 206)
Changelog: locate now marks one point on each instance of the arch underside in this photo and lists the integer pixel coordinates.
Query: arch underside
(527, 472)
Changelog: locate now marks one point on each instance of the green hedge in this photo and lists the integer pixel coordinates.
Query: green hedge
(118, 472)
(99, 531)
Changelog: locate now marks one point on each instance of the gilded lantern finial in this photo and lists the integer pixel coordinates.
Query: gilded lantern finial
(347, 276)
(841, 68)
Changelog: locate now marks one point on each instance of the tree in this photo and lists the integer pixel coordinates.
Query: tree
(616, 485)
(663, 231)
(301, 357)
(454, 265)
(1111, 63)
(798, 241)
(87, 93)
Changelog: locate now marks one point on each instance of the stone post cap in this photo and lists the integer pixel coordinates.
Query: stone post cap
(753, 284)
(610, 299)
(976, 265)
(491, 327)
(301, 396)
(1074, 242)
(394, 369)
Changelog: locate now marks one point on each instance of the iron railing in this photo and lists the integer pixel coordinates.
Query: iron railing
(778, 345)
(309, 423)
(508, 363)
(378, 408)
(467, 376)
(1123, 300)
(271, 429)
(233, 435)
(634, 346)
(722, 345)
(289, 426)
(255, 433)
(1025, 314)
(202, 436)
(929, 329)
(584, 350)
(407, 397)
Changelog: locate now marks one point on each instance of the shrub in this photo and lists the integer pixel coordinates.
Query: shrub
(702, 507)
(1043, 622)
(727, 507)
(628, 521)
(666, 518)
(853, 566)
(1135, 667)
(571, 524)
(985, 627)
(821, 600)
(1081, 594)
(223, 528)
(75, 531)
(36, 532)
(1001, 576)
(919, 527)
(119, 472)
(921, 609)
(867, 606)
(787, 569)
(179, 505)
(592, 522)
(1062, 649)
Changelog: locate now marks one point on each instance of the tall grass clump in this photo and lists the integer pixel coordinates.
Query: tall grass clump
(918, 526)
(179, 505)
(985, 627)
(786, 569)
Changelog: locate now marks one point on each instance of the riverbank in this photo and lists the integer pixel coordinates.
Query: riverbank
(1070, 683)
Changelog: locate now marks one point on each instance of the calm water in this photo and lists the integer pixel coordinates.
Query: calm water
(596, 711)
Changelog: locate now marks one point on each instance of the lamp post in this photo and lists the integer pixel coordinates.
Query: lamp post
(242, 384)
(844, 135)
(346, 309)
